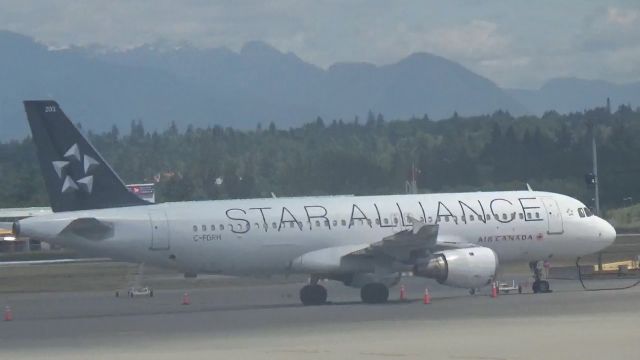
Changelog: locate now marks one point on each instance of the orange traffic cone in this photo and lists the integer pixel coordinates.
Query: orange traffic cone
(403, 293)
(427, 297)
(185, 299)
(494, 290)
(8, 314)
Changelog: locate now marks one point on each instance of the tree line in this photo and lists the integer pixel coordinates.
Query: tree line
(372, 156)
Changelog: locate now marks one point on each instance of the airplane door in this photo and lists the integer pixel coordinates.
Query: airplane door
(554, 216)
(159, 230)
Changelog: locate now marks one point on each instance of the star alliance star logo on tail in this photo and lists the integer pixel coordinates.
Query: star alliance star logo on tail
(87, 163)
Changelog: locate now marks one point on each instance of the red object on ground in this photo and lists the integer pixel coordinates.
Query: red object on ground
(185, 299)
(494, 290)
(8, 314)
(403, 293)
(427, 297)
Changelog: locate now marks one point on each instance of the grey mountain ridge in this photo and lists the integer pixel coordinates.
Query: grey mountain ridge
(159, 83)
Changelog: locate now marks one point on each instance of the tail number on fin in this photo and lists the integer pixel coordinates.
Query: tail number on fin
(49, 109)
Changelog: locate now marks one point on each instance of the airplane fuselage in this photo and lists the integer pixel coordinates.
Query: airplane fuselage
(263, 236)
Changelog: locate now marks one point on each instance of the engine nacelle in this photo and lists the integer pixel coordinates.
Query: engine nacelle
(469, 268)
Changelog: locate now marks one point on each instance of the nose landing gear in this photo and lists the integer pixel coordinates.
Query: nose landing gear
(539, 285)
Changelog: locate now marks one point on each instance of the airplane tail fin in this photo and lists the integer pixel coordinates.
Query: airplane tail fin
(76, 176)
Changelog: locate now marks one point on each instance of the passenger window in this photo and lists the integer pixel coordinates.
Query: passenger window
(343, 222)
(581, 212)
(422, 218)
(195, 228)
(470, 217)
(369, 222)
(537, 215)
(221, 227)
(351, 223)
(488, 217)
(213, 228)
(521, 216)
(504, 216)
(463, 218)
(446, 219)
(377, 221)
(257, 225)
(430, 219)
(529, 216)
(326, 223)
(274, 225)
(204, 227)
(386, 221)
(291, 225)
(395, 220)
(361, 222)
(317, 223)
(335, 222)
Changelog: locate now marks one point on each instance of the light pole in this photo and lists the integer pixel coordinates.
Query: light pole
(595, 167)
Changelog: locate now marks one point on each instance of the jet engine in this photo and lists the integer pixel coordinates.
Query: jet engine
(469, 268)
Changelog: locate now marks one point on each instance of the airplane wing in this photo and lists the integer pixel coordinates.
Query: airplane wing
(402, 248)
(407, 244)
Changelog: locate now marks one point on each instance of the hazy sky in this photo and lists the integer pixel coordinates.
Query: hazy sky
(514, 43)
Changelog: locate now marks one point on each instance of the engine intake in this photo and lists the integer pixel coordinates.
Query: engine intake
(469, 268)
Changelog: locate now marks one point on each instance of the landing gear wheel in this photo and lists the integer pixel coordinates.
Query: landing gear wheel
(374, 293)
(540, 286)
(313, 295)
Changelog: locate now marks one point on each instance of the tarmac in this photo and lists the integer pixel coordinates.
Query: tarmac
(268, 322)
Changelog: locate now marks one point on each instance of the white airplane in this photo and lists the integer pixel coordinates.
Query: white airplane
(365, 242)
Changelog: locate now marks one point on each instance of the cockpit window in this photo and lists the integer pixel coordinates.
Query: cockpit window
(581, 212)
(588, 212)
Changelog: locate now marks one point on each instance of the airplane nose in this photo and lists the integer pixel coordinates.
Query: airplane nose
(607, 234)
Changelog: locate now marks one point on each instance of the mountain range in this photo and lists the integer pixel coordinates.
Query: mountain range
(161, 83)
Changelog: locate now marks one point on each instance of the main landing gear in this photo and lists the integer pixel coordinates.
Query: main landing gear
(313, 294)
(539, 285)
(374, 293)
(316, 294)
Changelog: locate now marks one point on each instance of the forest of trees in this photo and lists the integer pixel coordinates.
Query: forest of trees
(368, 156)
